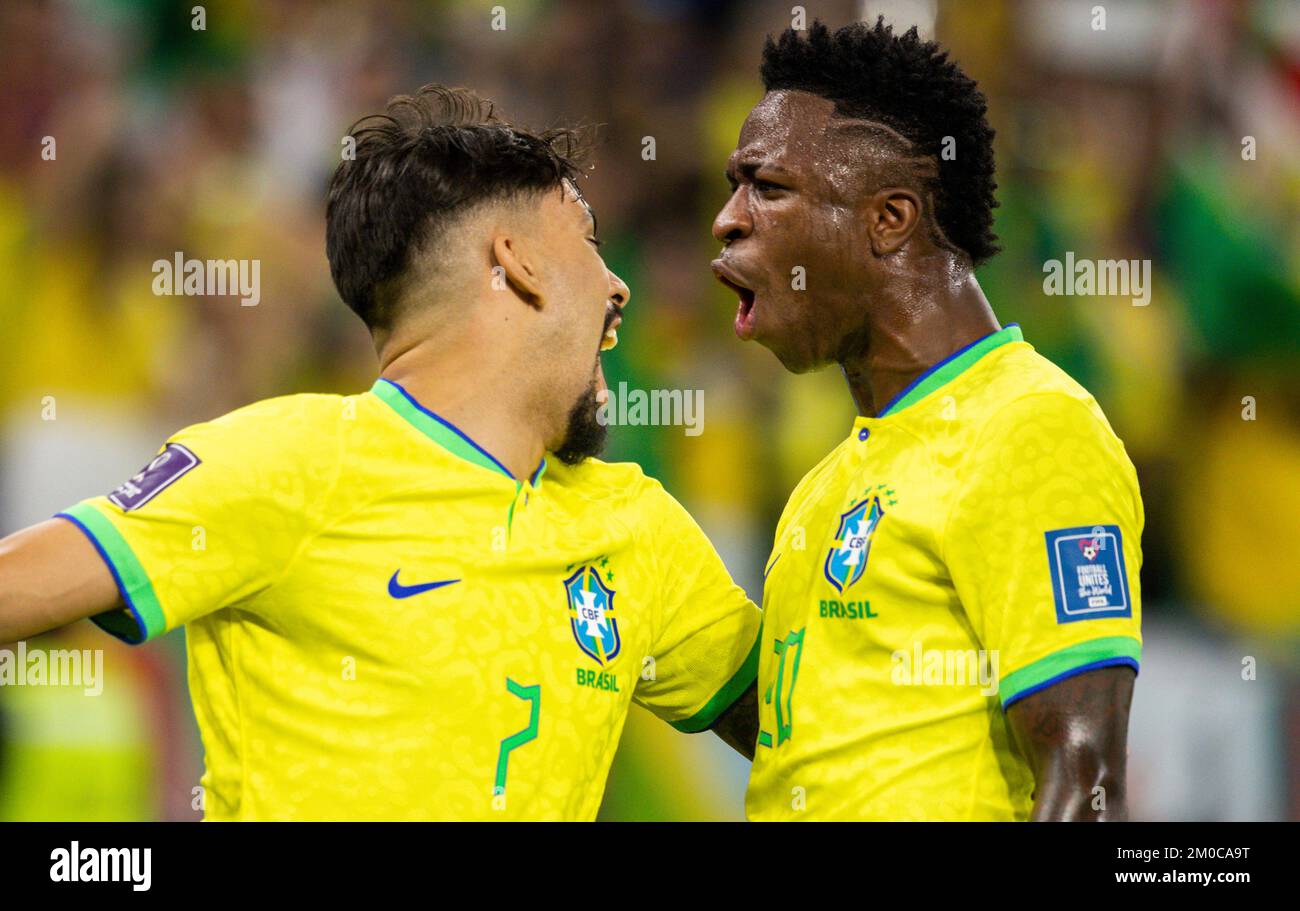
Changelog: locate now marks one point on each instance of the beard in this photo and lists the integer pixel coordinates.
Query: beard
(585, 436)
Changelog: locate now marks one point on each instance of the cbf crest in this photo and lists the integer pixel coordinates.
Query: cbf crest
(591, 614)
(847, 558)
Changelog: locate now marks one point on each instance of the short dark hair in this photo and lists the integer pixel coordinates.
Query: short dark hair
(912, 87)
(428, 158)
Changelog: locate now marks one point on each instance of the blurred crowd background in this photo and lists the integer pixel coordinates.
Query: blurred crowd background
(1172, 135)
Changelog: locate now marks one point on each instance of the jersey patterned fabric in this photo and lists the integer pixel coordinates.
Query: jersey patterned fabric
(975, 542)
(383, 623)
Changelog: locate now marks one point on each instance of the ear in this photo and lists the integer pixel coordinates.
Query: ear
(892, 215)
(511, 254)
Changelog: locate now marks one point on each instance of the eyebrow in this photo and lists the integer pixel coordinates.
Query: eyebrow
(591, 213)
(749, 167)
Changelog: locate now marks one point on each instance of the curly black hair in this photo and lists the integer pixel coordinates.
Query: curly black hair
(910, 86)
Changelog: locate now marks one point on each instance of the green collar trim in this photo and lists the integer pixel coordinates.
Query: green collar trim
(950, 368)
(443, 432)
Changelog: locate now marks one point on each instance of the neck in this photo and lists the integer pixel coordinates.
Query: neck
(446, 374)
(915, 331)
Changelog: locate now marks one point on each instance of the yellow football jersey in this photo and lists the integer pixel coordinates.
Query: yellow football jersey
(382, 623)
(975, 542)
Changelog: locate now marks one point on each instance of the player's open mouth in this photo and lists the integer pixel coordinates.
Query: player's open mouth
(608, 340)
(745, 311)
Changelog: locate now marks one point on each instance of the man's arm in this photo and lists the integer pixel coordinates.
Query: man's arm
(1075, 736)
(50, 576)
(738, 725)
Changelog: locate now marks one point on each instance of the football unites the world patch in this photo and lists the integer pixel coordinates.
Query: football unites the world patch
(591, 614)
(166, 469)
(1089, 579)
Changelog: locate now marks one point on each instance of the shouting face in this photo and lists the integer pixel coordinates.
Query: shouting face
(589, 301)
(793, 232)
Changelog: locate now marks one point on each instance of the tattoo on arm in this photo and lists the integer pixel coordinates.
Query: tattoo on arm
(1075, 737)
(738, 725)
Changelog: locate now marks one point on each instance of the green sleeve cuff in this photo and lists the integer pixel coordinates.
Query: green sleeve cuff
(143, 618)
(1110, 651)
(723, 698)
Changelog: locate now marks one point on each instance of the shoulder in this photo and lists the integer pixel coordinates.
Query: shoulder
(301, 411)
(1029, 397)
(624, 492)
(277, 420)
(610, 483)
(1036, 427)
(289, 434)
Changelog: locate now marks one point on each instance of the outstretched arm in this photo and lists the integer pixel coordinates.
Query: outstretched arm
(50, 575)
(1075, 736)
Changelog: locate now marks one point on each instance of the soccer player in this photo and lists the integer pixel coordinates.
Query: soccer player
(427, 600)
(951, 608)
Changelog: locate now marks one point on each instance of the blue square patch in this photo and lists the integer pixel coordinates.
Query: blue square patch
(1088, 577)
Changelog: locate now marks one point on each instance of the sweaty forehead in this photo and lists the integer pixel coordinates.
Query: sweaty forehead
(801, 133)
(786, 126)
(576, 203)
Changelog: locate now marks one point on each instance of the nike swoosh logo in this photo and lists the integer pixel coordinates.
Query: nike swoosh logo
(398, 590)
